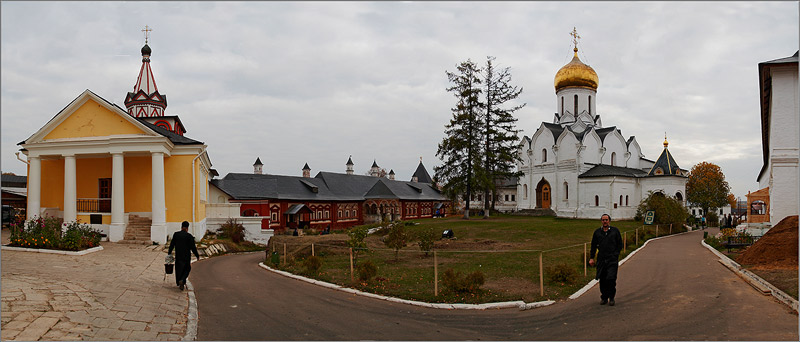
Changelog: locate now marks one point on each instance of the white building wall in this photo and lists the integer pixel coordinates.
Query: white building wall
(784, 144)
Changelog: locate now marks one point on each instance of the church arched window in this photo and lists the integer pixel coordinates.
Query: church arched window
(626, 200)
(566, 190)
(596, 201)
(544, 155)
(620, 200)
(590, 105)
(576, 105)
(525, 191)
(562, 105)
(614, 160)
(679, 196)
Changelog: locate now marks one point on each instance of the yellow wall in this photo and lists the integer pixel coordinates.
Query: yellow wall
(177, 182)
(86, 219)
(138, 188)
(92, 120)
(52, 184)
(89, 171)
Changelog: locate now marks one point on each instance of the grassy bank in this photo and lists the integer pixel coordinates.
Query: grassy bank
(506, 250)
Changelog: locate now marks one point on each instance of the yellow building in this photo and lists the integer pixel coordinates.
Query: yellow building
(131, 174)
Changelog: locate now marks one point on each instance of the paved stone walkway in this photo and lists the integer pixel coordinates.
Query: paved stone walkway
(118, 293)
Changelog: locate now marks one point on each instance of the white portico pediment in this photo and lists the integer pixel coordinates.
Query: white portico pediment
(92, 125)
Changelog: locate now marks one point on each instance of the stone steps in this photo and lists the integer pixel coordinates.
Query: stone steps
(138, 231)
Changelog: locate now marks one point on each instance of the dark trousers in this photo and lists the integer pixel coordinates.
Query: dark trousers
(182, 269)
(608, 288)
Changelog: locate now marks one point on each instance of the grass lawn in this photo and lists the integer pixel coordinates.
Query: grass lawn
(505, 249)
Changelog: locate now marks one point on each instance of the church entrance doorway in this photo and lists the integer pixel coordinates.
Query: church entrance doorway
(543, 194)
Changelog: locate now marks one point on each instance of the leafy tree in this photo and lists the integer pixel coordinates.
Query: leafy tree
(357, 235)
(707, 187)
(426, 239)
(460, 150)
(397, 238)
(669, 210)
(732, 201)
(499, 132)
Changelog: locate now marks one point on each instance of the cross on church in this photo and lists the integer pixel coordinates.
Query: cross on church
(146, 31)
(575, 36)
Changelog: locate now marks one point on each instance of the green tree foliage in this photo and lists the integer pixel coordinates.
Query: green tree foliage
(460, 149)
(426, 239)
(707, 187)
(397, 238)
(668, 210)
(499, 131)
(357, 235)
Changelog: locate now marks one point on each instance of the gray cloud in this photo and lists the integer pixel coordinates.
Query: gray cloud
(310, 82)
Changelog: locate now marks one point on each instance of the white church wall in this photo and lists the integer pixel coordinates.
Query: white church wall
(615, 147)
(591, 154)
(784, 143)
(543, 141)
(568, 95)
(635, 151)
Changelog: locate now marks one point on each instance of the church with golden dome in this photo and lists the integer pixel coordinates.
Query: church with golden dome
(577, 167)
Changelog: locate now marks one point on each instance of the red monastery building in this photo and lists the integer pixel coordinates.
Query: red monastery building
(329, 200)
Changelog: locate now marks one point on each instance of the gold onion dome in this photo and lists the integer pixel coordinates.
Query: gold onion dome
(576, 74)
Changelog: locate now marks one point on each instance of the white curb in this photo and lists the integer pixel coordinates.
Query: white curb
(53, 251)
(486, 306)
(754, 280)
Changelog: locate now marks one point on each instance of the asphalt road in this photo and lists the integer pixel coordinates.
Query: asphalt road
(674, 289)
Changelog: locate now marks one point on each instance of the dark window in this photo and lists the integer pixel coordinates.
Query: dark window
(105, 188)
(576, 105)
(596, 201)
(513, 198)
(590, 105)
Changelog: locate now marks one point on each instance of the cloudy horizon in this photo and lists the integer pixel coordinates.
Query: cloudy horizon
(316, 82)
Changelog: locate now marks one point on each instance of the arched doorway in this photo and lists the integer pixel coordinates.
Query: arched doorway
(543, 194)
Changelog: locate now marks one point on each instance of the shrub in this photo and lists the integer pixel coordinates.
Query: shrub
(470, 283)
(312, 264)
(668, 209)
(311, 231)
(366, 271)
(232, 229)
(47, 232)
(396, 239)
(426, 238)
(561, 273)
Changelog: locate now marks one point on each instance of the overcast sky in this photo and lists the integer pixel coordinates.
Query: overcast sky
(316, 82)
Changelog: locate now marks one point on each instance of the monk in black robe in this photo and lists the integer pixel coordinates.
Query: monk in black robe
(607, 242)
(184, 245)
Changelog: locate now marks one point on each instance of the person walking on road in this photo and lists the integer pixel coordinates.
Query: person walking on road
(607, 242)
(184, 245)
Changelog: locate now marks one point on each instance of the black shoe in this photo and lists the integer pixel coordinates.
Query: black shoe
(611, 303)
(604, 302)
(181, 286)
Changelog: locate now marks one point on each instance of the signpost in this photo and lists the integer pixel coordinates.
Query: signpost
(649, 216)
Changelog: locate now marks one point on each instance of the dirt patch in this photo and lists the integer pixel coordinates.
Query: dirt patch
(777, 249)
(513, 287)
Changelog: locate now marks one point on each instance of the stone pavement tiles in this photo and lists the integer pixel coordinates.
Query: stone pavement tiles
(118, 293)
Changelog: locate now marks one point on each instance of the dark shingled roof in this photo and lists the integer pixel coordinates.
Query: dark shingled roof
(258, 161)
(14, 181)
(603, 170)
(602, 132)
(554, 129)
(422, 174)
(508, 182)
(326, 186)
(172, 136)
(667, 164)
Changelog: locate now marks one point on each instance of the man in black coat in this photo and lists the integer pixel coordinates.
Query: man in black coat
(607, 242)
(184, 245)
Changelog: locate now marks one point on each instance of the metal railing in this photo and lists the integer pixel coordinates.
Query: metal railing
(94, 205)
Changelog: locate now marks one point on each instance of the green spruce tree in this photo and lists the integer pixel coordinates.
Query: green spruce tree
(460, 149)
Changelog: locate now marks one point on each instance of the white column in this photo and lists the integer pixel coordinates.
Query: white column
(34, 187)
(70, 189)
(158, 229)
(117, 229)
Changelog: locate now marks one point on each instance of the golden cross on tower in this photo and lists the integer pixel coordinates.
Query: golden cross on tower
(146, 31)
(575, 37)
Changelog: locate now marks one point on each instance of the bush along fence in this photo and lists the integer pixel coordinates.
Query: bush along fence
(50, 233)
(443, 275)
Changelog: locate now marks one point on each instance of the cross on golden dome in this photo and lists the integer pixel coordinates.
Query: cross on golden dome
(146, 31)
(575, 38)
